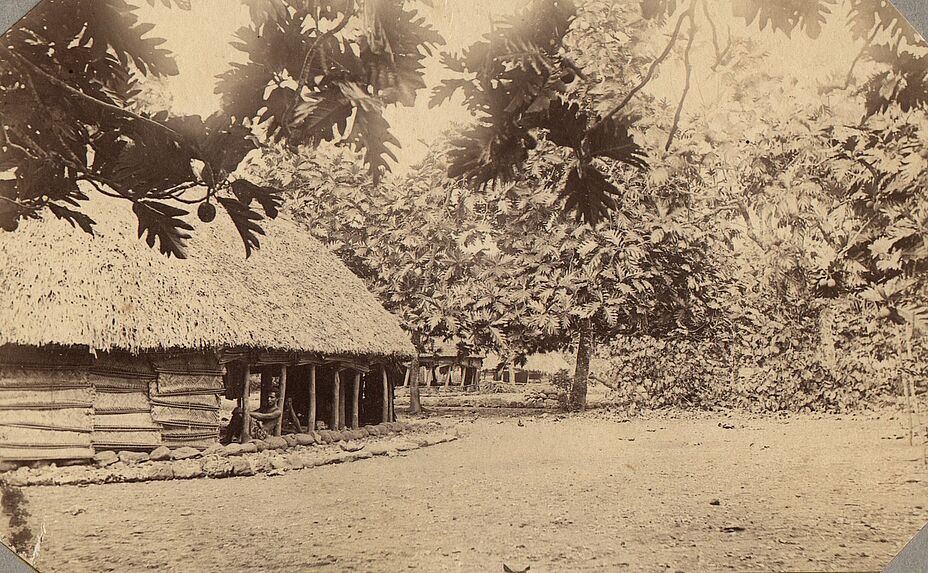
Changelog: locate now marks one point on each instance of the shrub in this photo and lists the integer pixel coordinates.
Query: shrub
(561, 380)
(13, 503)
(834, 363)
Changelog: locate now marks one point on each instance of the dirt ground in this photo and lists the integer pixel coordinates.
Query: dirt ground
(577, 494)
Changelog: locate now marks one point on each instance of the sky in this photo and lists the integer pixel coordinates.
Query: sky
(200, 40)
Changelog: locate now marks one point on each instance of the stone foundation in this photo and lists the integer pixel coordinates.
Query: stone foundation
(273, 456)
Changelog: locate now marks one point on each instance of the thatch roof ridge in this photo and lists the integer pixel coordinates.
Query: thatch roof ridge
(112, 291)
(546, 362)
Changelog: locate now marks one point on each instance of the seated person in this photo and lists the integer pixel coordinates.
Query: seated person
(264, 420)
(234, 429)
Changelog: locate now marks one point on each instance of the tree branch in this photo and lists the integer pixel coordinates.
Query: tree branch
(860, 55)
(179, 198)
(851, 241)
(715, 33)
(307, 60)
(113, 108)
(15, 202)
(650, 74)
(172, 191)
(21, 149)
(96, 185)
(719, 52)
(716, 211)
(686, 86)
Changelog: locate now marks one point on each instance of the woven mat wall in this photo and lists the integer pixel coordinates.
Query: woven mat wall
(185, 400)
(122, 408)
(45, 413)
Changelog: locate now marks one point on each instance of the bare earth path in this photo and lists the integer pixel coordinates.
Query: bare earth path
(580, 494)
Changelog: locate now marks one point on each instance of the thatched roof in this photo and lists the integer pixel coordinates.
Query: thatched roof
(549, 362)
(544, 362)
(62, 286)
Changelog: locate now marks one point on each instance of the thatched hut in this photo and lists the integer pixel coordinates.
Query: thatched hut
(107, 344)
(533, 368)
(445, 364)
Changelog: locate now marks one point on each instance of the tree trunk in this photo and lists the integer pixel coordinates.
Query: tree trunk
(415, 406)
(576, 396)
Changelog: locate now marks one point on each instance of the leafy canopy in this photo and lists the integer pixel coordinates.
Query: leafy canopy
(71, 72)
(324, 71)
(515, 82)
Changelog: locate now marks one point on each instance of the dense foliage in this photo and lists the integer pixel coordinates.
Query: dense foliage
(71, 72)
(324, 70)
(747, 239)
(835, 363)
(497, 269)
(729, 251)
(515, 82)
(14, 506)
(413, 240)
(821, 210)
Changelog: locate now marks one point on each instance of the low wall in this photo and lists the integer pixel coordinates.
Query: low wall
(272, 456)
(68, 405)
(45, 413)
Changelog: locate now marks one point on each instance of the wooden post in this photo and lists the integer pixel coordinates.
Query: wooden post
(342, 399)
(311, 415)
(385, 415)
(450, 373)
(291, 413)
(355, 406)
(281, 400)
(336, 395)
(267, 379)
(390, 412)
(512, 373)
(406, 378)
(246, 407)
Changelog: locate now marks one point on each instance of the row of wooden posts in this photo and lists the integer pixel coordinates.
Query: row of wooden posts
(456, 376)
(337, 417)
